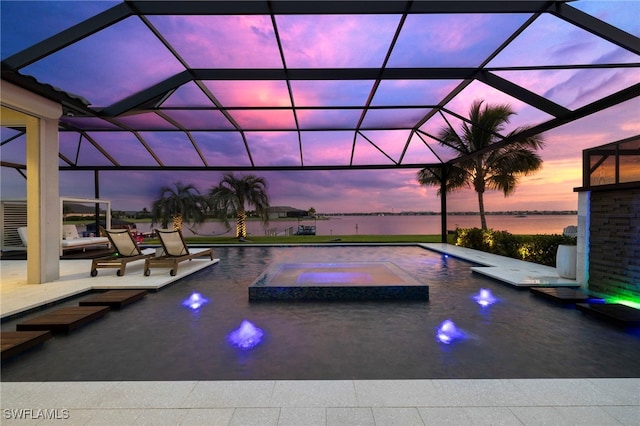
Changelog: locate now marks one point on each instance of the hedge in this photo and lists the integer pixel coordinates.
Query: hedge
(539, 249)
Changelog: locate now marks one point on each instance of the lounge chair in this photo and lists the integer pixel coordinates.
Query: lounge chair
(174, 251)
(126, 250)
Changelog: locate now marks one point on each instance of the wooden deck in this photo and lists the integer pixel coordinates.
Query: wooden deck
(16, 342)
(64, 320)
(114, 299)
(615, 313)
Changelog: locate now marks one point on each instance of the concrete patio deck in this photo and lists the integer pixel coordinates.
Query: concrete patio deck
(598, 402)
(511, 271)
(17, 296)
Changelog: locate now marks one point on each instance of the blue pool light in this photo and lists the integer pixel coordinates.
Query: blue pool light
(195, 301)
(485, 297)
(448, 332)
(245, 337)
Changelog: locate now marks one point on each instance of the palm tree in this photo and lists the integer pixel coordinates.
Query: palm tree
(182, 203)
(232, 193)
(498, 169)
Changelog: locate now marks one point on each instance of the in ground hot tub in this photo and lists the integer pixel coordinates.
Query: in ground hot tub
(337, 281)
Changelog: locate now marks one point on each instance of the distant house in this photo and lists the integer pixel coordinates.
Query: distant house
(129, 214)
(75, 210)
(280, 212)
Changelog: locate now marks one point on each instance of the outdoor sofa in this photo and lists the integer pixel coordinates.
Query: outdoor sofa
(70, 238)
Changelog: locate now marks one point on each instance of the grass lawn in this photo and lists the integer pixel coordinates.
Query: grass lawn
(298, 239)
(315, 239)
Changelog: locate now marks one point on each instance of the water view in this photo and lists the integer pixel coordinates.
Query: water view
(394, 225)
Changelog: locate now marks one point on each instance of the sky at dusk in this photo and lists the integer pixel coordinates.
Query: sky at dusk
(118, 59)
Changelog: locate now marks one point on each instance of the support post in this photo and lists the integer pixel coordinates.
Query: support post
(39, 116)
(443, 205)
(43, 215)
(96, 193)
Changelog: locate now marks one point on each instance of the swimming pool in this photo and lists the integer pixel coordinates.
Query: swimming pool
(520, 336)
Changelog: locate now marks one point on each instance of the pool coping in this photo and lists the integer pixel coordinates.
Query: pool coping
(518, 273)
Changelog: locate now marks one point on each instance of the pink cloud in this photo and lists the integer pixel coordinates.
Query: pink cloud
(326, 148)
(419, 153)
(201, 119)
(392, 142)
(412, 92)
(393, 118)
(264, 120)
(311, 41)
(257, 93)
(328, 118)
(606, 126)
(525, 114)
(330, 92)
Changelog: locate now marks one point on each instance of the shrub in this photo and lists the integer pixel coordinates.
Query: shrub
(539, 249)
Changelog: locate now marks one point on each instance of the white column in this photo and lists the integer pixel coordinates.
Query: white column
(43, 213)
(582, 260)
(40, 118)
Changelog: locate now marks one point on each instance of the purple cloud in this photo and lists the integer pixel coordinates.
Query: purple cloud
(451, 40)
(173, 148)
(222, 41)
(274, 148)
(109, 60)
(552, 41)
(330, 93)
(222, 148)
(310, 41)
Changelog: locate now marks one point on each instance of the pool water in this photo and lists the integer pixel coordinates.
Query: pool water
(519, 336)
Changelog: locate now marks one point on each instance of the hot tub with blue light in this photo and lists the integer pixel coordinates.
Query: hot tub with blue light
(337, 281)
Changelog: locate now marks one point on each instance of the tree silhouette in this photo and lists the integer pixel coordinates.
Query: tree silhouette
(231, 195)
(498, 169)
(178, 204)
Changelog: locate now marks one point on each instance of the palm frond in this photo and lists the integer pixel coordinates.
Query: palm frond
(178, 201)
(231, 195)
(498, 169)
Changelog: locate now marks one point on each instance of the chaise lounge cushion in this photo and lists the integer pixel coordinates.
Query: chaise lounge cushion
(84, 241)
(71, 238)
(22, 232)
